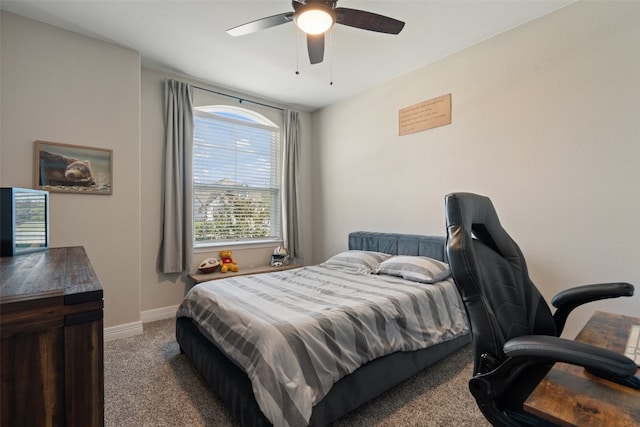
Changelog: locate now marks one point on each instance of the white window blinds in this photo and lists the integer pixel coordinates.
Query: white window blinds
(236, 176)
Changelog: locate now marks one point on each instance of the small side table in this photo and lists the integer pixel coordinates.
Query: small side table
(570, 396)
(244, 271)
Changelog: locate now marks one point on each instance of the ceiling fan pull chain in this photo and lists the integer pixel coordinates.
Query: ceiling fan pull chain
(297, 48)
(330, 58)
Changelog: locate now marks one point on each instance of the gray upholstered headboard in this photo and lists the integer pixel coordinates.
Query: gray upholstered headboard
(398, 244)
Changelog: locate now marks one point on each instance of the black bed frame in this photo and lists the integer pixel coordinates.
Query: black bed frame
(370, 380)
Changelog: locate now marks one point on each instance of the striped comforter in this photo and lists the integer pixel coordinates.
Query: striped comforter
(297, 332)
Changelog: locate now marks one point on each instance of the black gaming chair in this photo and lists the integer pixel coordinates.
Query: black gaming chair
(515, 337)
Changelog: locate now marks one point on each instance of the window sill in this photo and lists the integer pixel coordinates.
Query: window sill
(217, 275)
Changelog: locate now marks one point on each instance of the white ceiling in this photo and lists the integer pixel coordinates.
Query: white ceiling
(188, 37)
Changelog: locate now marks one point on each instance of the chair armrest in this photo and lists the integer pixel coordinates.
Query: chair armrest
(569, 299)
(599, 361)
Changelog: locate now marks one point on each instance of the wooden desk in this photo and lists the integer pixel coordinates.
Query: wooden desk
(244, 271)
(570, 396)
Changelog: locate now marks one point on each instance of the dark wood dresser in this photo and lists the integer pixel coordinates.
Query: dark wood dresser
(51, 311)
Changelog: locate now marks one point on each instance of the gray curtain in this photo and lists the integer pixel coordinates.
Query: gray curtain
(290, 174)
(176, 248)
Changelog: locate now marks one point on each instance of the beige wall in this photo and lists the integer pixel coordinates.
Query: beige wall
(545, 122)
(62, 87)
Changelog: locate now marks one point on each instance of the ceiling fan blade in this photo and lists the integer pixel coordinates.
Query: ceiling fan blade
(315, 45)
(261, 24)
(368, 21)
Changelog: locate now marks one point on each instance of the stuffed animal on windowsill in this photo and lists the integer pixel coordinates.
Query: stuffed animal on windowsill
(209, 265)
(227, 263)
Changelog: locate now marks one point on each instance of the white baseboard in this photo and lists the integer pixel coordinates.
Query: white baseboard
(136, 328)
(158, 314)
(122, 331)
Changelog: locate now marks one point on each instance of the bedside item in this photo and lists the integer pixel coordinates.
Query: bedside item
(209, 265)
(227, 263)
(280, 257)
(24, 226)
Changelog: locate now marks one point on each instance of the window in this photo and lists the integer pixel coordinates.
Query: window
(236, 176)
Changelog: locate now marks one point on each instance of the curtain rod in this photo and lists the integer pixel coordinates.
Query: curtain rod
(241, 100)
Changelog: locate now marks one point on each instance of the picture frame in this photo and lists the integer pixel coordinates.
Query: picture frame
(68, 168)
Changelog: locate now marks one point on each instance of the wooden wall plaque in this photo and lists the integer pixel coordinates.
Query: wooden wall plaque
(425, 115)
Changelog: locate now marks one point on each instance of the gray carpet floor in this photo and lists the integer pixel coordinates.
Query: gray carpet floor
(149, 383)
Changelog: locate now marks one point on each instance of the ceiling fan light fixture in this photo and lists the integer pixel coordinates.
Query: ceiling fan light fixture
(314, 18)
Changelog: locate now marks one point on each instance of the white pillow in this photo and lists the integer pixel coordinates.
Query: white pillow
(416, 268)
(364, 262)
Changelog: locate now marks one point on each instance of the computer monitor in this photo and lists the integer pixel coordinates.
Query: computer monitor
(24, 221)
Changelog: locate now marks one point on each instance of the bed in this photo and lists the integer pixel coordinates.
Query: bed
(274, 377)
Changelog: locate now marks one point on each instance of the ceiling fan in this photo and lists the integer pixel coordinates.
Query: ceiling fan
(315, 17)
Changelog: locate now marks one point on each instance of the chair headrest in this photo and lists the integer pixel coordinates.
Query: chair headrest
(475, 214)
(469, 209)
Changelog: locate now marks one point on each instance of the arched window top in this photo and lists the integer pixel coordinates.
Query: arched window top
(237, 113)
